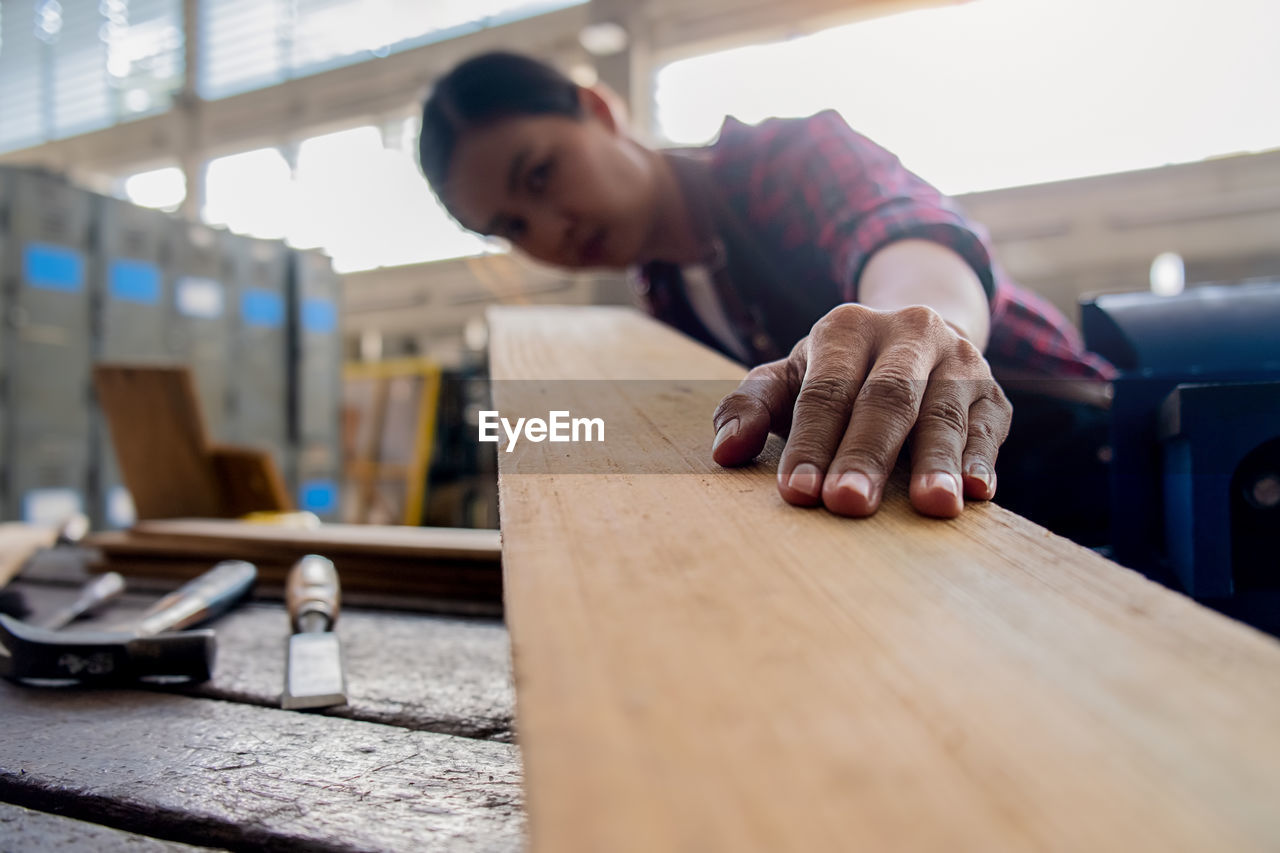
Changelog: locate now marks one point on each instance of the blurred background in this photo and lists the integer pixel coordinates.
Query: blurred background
(232, 184)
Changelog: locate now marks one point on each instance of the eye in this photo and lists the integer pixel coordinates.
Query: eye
(535, 181)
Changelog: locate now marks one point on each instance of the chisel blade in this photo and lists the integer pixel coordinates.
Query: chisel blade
(313, 677)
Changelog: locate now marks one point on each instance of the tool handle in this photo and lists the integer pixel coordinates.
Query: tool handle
(209, 595)
(312, 594)
(93, 595)
(99, 591)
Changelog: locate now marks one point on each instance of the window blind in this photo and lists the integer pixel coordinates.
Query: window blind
(21, 76)
(249, 44)
(71, 66)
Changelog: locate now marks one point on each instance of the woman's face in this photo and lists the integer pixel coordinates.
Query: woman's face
(569, 192)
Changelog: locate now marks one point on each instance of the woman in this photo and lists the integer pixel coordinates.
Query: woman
(864, 298)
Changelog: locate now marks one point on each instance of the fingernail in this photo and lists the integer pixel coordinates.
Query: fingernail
(943, 480)
(806, 479)
(856, 482)
(730, 428)
(982, 474)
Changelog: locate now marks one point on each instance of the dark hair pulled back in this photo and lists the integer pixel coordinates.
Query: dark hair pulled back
(484, 89)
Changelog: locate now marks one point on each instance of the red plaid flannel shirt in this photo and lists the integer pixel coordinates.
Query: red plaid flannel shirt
(821, 199)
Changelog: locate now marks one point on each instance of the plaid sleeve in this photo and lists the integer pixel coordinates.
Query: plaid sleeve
(1029, 333)
(822, 182)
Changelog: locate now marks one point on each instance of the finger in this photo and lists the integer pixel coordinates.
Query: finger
(990, 417)
(760, 404)
(884, 412)
(821, 415)
(937, 444)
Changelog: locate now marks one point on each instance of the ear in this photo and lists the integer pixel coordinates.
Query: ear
(604, 106)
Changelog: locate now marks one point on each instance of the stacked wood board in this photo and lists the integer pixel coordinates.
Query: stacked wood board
(446, 565)
(702, 667)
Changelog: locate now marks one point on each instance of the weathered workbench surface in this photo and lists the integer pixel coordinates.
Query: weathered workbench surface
(421, 759)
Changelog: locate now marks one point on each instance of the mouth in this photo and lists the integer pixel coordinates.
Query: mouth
(591, 250)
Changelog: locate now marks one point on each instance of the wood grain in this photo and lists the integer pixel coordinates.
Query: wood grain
(226, 774)
(449, 586)
(457, 568)
(38, 832)
(702, 667)
(248, 480)
(159, 437)
(368, 539)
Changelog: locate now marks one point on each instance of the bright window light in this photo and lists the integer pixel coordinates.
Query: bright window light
(1168, 274)
(998, 93)
(356, 195)
(163, 189)
(250, 193)
(365, 202)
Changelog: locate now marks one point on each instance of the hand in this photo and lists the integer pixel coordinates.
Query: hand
(852, 392)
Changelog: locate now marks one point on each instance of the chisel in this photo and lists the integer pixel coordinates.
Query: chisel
(313, 675)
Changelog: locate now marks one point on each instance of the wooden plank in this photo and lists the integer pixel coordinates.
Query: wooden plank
(18, 543)
(221, 773)
(437, 674)
(458, 569)
(123, 543)
(73, 566)
(702, 667)
(159, 438)
(368, 539)
(464, 582)
(38, 832)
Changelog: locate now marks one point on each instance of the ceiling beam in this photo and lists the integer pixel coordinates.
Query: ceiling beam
(368, 92)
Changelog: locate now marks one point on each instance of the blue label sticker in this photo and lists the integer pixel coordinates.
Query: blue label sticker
(53, 267)
(134, 281)
(318, 496)
(262, 308)
(319, 316)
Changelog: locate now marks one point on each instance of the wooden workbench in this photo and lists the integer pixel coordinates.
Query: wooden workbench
(421, 759)
(700, 668)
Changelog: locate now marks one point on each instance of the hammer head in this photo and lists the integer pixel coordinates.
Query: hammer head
(27, 652)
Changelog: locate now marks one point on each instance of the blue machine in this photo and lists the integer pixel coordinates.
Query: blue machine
(1195, 437)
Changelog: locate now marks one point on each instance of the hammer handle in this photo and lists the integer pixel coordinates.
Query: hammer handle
(312, 594)
(198, 600)
(93, 595)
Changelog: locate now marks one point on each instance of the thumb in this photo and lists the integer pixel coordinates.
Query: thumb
(761, 404)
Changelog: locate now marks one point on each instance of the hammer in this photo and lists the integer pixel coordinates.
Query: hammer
(30, 653)
(149, 649)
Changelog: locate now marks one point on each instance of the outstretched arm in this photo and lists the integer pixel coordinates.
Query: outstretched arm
(906, 363)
